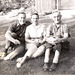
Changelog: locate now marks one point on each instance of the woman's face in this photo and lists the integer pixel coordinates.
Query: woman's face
(34, 19)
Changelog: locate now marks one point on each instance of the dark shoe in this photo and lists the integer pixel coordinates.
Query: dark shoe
(27, 58)
(53, 67)
(45, 67)
(4, 53)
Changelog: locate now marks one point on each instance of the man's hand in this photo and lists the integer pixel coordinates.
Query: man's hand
(16, 42)
(58, 40)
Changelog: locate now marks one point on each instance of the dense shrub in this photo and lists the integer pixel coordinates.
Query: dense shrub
(14, 4)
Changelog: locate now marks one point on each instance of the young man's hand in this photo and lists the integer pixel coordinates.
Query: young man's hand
(58, 40)
(16, 42)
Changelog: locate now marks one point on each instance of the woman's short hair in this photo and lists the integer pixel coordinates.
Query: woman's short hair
(36, 14)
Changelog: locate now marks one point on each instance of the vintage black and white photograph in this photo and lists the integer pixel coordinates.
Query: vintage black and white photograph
(37, 37)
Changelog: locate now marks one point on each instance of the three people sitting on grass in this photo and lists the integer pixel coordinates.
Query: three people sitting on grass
(36, 39)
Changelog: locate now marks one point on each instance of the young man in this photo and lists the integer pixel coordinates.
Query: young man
(15, 37)
(34, 38)
(56, 33)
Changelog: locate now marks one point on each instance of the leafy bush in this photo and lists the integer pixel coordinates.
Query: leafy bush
(9, 5)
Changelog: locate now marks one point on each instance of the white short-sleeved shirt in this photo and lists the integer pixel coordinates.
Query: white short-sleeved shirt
(35, 31)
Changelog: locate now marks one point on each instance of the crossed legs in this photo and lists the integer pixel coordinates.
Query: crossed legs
(17, 48)
(9, 44)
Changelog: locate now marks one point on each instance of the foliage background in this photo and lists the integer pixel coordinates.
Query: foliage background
(7, 5)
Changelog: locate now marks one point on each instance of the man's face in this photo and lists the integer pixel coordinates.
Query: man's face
(57, 19)
(21, 18)
(34, 19)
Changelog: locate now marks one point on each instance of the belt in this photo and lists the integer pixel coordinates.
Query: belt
(35, 38)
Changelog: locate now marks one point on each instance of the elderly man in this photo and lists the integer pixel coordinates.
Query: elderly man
(15, 37)
(56, 33)
(34, 38)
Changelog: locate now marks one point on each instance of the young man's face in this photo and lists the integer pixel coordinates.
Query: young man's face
(57, 19)
(22, 18)
(35, 19)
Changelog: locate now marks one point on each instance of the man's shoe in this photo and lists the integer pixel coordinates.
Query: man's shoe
(27, 58)
(53, 67)
(6, 58)
(45, 67)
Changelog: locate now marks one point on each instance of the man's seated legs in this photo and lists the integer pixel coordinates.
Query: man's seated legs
(57, 49)
(17, 50)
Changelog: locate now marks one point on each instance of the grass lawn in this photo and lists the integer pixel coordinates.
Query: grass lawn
(34, 66)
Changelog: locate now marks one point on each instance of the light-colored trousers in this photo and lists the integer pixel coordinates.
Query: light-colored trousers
(33, 51)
